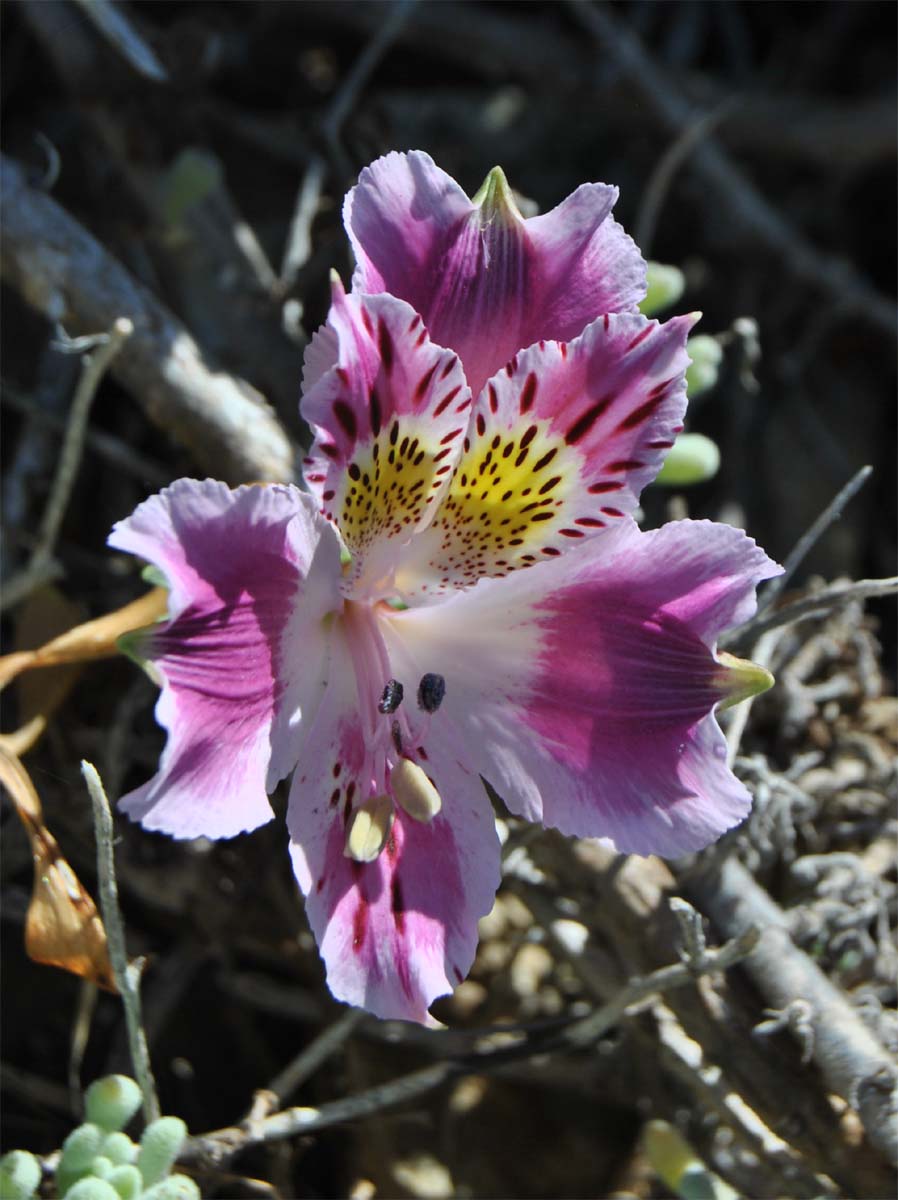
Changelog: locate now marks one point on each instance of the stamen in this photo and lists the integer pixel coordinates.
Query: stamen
(392, 697)
(431, 691)
(369, 829)
(414, 791)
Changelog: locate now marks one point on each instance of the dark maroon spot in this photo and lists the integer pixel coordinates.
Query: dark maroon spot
(335, 797)
(338, 767)
(385, 345)
(459, 977)
(394, 433)
(347, 810)
(494, 398)
(611, 512)
(329, 495)
(447, 369)
(447, 399)
(330, 450)
(550, 550)
(549, 484)
(449, 437)
(543, 516)
(528, 392)
(545, 460)
(517, 462)
(509, 370)
(563, 348)
(421, 339)
(662, 445)
(582, 426)
(624, 464)
(590, 522)
(606, 321)
(397, 904)
(412, 323)
(320, 884)
(346, 418)
(596, 489)
(481, 424)
(366, 321)
(343, 375)
(374, 401)
(571, 533)
(359, 921)
(422, 753)
(354, 471)
(424, 383)
(640, 337)
(638, 415)
(528, 437)
(442, 454)
(509, 449)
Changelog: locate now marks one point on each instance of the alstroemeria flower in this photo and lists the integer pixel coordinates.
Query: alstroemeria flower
(462, 593)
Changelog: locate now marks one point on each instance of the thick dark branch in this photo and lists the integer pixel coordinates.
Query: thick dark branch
(60, 269)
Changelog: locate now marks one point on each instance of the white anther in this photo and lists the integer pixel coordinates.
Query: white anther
(369, 828)
(413, 791)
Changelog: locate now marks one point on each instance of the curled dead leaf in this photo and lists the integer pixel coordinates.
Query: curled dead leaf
(63, 927)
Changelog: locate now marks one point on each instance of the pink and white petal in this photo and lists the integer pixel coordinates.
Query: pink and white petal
(486, 281)
(400, 931)
(389, 416)
(587, 265)
(560, 445)
(583, 688)
(398, 218)
(238, 564)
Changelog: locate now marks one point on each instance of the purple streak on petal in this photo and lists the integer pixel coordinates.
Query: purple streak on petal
(488, 287)
(237, 563)
(583, 685)
(559, 447)
(389, 410)
(396, 933)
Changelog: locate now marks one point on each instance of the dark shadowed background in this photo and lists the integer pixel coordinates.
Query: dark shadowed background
(754, 146)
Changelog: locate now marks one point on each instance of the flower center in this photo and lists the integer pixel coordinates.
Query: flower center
(393, 729)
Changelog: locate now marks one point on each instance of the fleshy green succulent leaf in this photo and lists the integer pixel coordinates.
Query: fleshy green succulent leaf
(111, 1102)
(128, 1182)
(706, 354)
(693, 458)
(20, 1174)
(90, 1188)
(79, 1150)
(159, 1147)
(119, 1148)
(176, 1187)
(665, 285)
(102, 1167)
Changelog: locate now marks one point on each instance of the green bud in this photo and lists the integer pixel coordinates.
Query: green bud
(159, 1147)
(128, 1182)
(20, 1174)
(119, 1148)
(79, 1150)
(707, 355)
(665, 286)
(693, 458)
(112, 1102)
(495, 199)
(176, 1187)
(102, 1167)
(90, 1188)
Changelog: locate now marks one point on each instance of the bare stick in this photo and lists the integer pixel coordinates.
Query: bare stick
(218, 1147)
(127, 975)
(94, 368)
(299, 237)
(809, 539)
(62, 270)
(852, 1061)
(823, 601)
(308, 1061)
